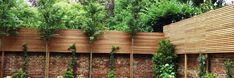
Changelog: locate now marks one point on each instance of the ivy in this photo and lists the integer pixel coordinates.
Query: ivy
(111, 72)
(202, 63)
(164, 60)
(21, 73)
(70, 73)
(228, 68)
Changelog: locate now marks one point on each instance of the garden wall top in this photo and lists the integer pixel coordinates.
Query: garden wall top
(144, 43)
(211, 32)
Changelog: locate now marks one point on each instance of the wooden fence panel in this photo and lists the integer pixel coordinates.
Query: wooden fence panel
(145, 43)
(211, 32)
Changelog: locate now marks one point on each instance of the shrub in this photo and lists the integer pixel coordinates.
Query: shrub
(228, 68)
(164, 60)
(202, 63)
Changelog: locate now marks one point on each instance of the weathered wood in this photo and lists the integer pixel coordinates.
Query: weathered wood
(145, 43)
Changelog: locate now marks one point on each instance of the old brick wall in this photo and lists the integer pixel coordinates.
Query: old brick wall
(59, 63)
(216, 65)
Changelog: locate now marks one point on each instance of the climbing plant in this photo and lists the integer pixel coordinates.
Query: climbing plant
(228, 68)
(202, 63)
(21, 73)
(164, 61)
(70, 73)
(111, 72)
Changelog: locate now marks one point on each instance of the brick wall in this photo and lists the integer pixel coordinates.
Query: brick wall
(216, 66)
(59, 62)
(142, 65)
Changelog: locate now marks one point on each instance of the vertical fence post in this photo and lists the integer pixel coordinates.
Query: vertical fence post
(185, 65)
(207, 63)
(2, 57)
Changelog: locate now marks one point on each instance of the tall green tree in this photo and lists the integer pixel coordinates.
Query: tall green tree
(51, 22)
(94, 24)
(9, 22)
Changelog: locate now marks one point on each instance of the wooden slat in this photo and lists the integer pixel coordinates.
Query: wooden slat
(145, 43)
(210, 32)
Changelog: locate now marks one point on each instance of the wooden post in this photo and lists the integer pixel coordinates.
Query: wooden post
(2, 57)
(131, 60)
(207, 63)
(185, 65)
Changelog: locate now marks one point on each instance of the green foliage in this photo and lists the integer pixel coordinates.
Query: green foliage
(94, 22)
(209, 75)
(71, 67)
(167, 71)
(207, 5)
(69, 73)
(51, 19)
(29, 16)
(165, 12)
(134, 23)
(25, 56)
(19, 74)
(127, 16)
(202, 63)
(164, 60)
(111, 72)
(9, 21)
(228, 68)
(73, 14)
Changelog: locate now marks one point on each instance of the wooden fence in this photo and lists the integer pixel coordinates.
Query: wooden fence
(211, 32)
(144, 43)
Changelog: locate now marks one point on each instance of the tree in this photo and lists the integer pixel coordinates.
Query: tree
(51, 22)
(94, 24)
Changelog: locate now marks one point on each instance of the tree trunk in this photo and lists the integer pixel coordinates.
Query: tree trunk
(47, 60)
(91, 61)
(131, 59)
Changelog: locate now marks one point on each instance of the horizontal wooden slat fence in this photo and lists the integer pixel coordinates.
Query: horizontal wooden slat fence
(211, 32)
(144, 43)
